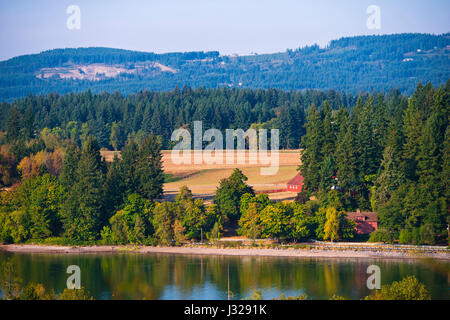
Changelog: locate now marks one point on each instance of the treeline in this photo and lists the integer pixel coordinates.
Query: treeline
(391, 160)
(113, 118)
(352, 64)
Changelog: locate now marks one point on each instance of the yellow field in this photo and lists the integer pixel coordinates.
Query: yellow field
(203, 179)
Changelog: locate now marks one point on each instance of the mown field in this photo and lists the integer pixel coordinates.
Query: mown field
(203, 179)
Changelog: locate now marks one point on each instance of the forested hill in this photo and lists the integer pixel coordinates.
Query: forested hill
(351, 64)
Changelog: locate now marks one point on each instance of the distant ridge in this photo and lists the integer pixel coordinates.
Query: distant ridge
(351, 64)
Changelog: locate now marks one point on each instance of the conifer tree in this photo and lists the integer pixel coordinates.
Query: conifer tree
(329, 134)
(128, 165)
(27, 131)
(381, 124)
(83, 211)
(115, 187)
(445, 174)
(391, 176)
(346, 159)
(327, 172)
(311, 153)
(146, 120)
(412, 128)
(149, 169)
(13, 125)
(366, 146)
(68, 175)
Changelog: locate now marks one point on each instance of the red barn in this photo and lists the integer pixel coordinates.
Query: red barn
(295, 184)
(366, 222)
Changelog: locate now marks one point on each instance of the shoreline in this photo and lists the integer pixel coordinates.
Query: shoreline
(248, 252)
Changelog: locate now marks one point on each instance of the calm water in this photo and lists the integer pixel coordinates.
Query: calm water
(164, 276)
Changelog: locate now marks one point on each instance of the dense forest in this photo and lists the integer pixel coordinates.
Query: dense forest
(114, 118)
(393, 161)
(383, 152)
(353, 64)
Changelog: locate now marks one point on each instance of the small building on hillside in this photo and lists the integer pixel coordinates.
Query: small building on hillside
(366, 222)
(295, 184)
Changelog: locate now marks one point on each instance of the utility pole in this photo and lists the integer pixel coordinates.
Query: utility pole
(228, 271)
(448, 233)
(201, 266)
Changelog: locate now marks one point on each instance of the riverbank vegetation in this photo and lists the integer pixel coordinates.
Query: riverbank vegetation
(13, 288)
(409, 288)
(262, 218)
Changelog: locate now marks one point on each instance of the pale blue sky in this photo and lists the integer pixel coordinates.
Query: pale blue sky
(229, 26)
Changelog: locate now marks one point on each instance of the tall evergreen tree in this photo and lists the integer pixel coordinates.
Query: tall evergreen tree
(115, 187)
(445, 174)
(128, 165)
(432, 141)
(327, 172)
(366, 145)
(346, 159)
(68, 176)
(381, 124)
(413, 126)
(27, 131)
(329, 130)
(149, 169)
(83, 211)
(13, 124)
(391, 174)
(311, 153)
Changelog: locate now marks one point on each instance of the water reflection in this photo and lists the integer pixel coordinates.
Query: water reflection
(164, 276)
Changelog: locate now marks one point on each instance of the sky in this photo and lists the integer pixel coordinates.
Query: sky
(229, 26)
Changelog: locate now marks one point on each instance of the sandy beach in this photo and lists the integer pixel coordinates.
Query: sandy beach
(289, 252)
